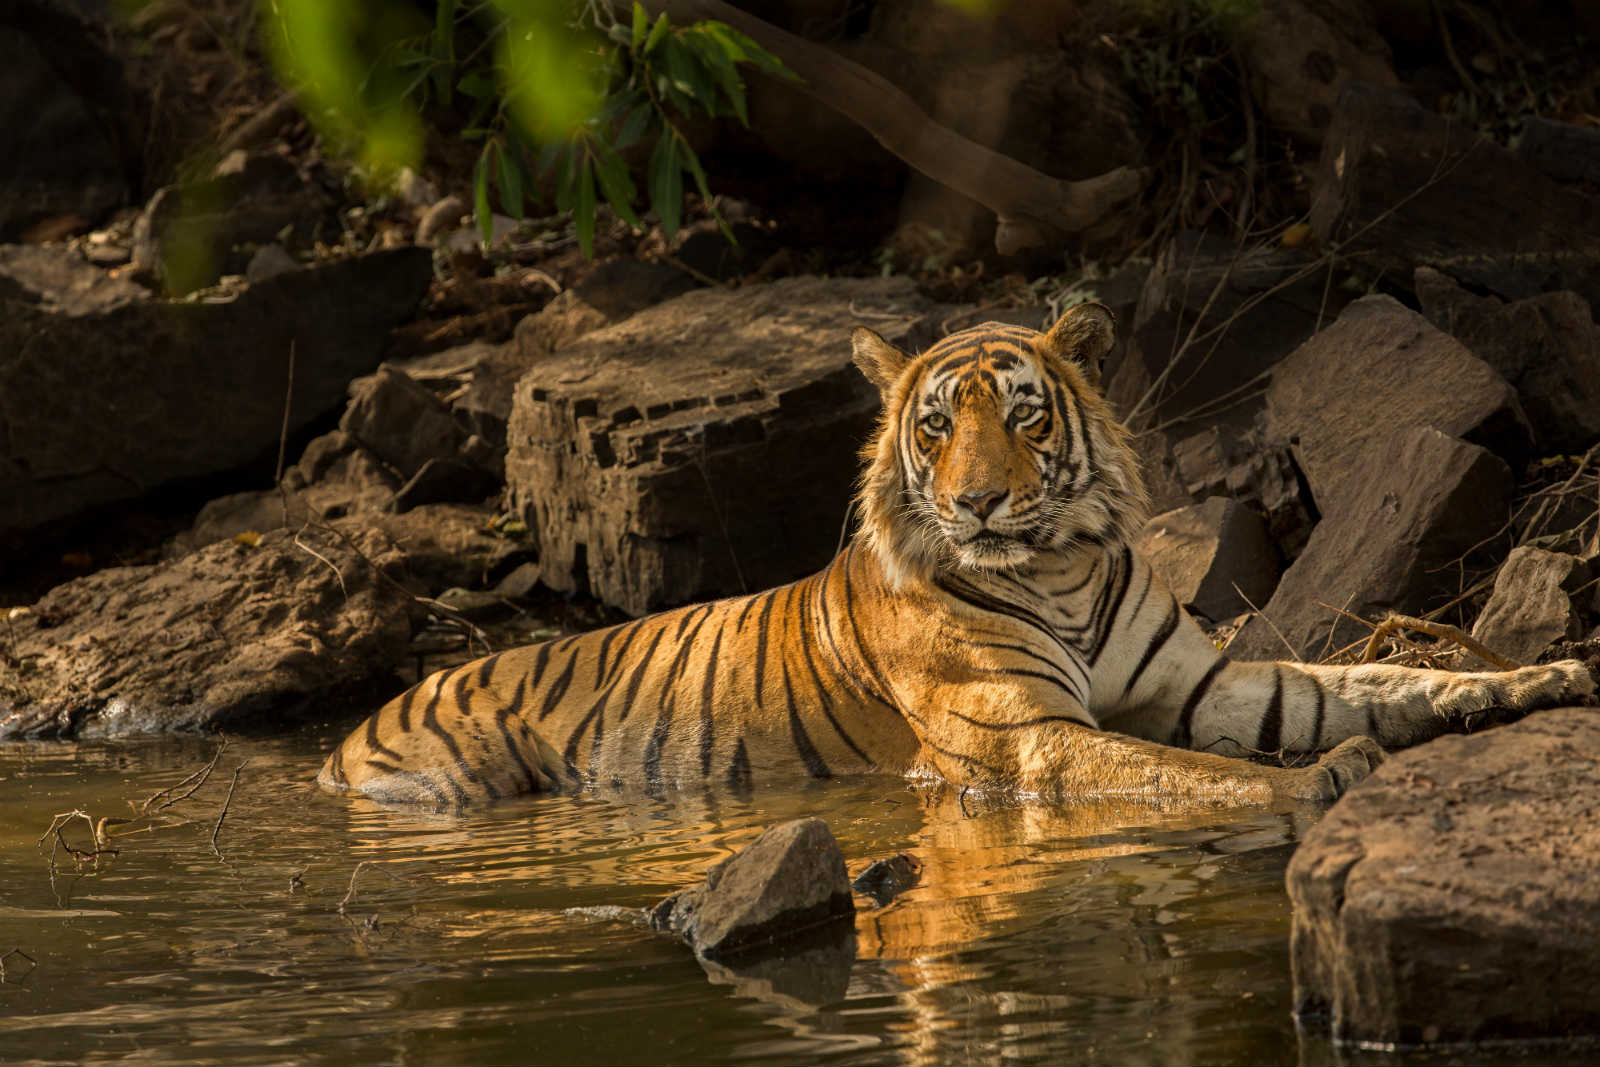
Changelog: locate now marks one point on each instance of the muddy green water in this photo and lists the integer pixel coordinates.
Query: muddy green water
(1111, 933)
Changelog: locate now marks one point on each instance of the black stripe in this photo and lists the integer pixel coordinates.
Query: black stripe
(604, 650)
(403, 712)
(378, 746)
(984, 602)
(486, 671)
(1183, 732)
(1115, 607)
(558, 689)
(637, 677)
(707, 693)
(430, 722)
(739, 770)
(816, 766)
(806, 657)
(502, 718)
(763, 625)
(1018, 725)
(1316, 729)
(1270, 738)
(614, 671)
(1158, 641)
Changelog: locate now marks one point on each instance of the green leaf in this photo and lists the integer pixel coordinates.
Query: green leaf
(666, 184)
(566, 170)
(616, 182)
(641, 25)
(583, 211)
(477, 84)
(687, 74)
(444, 48)
(657, 32)
(480, 194)
(634, 126)
(692, 161)
(511, 168)
(722, 68)
(753, 53)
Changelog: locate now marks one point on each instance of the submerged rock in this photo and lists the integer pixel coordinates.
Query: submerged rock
(790, 882)
(1454, 896)
(883, 880)
(231, 635)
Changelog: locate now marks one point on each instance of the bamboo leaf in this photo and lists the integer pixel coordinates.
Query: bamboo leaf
(616, 182)
(444, 48)
(657, 32)
(634, 126)
(511, 167)
(641, 25)
(666, 184)
(583, 210)
(480, 194)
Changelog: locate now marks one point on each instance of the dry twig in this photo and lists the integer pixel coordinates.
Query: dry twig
(1444, 632)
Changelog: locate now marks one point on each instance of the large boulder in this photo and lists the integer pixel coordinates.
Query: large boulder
(1214, 556)
(106, 394)
(788, 882)
(1399, 187)
(1381, 367)
(704, 447)
(1546, 346)
(1531, 607)
(1421, 502)
(234, 635)
(1454, 896)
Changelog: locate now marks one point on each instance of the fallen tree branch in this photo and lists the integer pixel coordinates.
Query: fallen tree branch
(1031, 207)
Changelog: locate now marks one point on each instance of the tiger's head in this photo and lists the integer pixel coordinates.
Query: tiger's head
(994, 445)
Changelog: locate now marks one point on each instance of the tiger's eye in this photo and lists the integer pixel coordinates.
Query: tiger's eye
(935, 423)
(1023, 412)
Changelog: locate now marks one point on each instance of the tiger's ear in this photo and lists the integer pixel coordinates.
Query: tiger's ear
(1085, 334)
(879, 360)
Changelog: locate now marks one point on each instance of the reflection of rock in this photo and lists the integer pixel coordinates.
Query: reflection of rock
(226, 636)
(814, 969)
(1455, 895)
(790, 881)
(883, 880)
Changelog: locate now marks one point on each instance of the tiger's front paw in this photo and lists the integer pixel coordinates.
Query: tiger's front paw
(1525, 689)
(1340, 768)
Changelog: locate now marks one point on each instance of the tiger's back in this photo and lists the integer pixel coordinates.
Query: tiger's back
(720, 693)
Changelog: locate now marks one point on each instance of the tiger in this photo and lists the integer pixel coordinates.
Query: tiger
(989, 623)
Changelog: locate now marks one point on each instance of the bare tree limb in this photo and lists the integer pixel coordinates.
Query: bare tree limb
(1032, 208)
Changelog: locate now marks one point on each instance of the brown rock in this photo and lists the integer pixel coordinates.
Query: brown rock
(1454, 896)
(790, 881)
(1422, 501)
(1531, 607)
(1379, 367)
(1547, 347)
(1214, 556)
(704, 447)
(1399, 187)
(107, 397)
(1300, 53)
(400, 422)
(227, 636)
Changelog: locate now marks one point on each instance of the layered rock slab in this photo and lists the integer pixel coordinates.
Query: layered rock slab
(704, 447)
(230, 635)
(1454, 896)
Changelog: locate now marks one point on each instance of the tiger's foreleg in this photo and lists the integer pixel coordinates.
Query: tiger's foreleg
(1005, 736)
(1297, 707)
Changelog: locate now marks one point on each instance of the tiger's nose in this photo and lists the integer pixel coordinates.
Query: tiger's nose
(982, 504)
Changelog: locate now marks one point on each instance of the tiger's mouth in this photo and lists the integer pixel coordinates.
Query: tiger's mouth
(989, 549)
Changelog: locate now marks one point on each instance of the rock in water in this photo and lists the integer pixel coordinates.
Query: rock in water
(789, 882)
(1454, 896)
